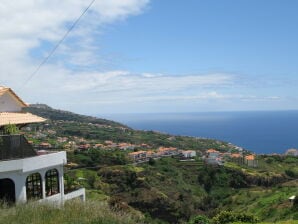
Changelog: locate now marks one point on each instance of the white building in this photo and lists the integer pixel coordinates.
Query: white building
(188, 153)
(24, 174)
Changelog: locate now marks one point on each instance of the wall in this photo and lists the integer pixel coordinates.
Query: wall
(9, 104)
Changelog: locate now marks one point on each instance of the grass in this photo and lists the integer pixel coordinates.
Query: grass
(74, 212)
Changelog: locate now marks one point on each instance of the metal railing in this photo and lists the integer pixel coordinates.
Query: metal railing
(15, 147)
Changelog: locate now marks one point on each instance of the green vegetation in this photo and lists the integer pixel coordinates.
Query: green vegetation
(170, 190)
(230, 217)
(11, 129)
(165, 190)
(61, 115)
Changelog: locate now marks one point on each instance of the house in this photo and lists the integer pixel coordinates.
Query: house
(237, 158)
(250, 160)
(212, 153)
(292, 152)
(188, 153)
(151, 154)
(138, 156)
(24, 173)
(45, 145)
(164, 151)
(126, 146)
(213, 157)
(84, 147)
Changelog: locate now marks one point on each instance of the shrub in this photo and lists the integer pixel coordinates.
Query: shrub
(11, 129)
(152, 162)
(230, 217)
(199, 219)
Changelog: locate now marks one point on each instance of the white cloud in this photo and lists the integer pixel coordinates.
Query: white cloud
(34, 26)
(27, 25)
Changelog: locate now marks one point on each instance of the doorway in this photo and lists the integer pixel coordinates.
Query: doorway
(7, 190)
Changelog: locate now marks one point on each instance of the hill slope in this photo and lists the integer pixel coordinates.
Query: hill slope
(55, 115)
(166, 190)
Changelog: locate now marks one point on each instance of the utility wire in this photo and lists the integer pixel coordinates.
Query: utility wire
(58, 44)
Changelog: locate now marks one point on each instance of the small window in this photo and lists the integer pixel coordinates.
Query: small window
(52, 182)
(33, 186)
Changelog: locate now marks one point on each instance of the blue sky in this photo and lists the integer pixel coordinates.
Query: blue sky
(134, 56)
(247, 37)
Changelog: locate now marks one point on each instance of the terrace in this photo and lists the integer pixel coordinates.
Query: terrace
(26, 175)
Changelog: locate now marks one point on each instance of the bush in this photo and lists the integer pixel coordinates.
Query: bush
(199, 219)
(152, 162)
(230, 217)
(11, 129)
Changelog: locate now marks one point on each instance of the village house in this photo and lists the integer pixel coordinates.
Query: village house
(62, 139)
(164, 151)
(151, 154)
(111, 144)
(144, 145)
(138, 156)
(213, 157)
(126, 146)
(292, 152)
(250, 160)
(24, 173)
(237, 158)
(98, 146)
(45, 145)
(187, 154)
(212, 153)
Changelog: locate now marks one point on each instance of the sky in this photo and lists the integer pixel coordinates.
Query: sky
(152, 56)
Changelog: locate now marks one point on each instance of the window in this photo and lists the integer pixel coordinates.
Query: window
(52, 182)
(33, 186)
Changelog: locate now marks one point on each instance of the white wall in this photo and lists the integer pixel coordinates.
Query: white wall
(18, 170)
(19, 179)
(9, 104)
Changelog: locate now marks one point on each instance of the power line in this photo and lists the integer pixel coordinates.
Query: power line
(58, 44)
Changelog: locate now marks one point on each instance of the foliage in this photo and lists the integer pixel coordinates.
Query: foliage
(199, 219)
(151, 162)
(96, 157)
(166, 190)
(58, 115)
(11, 129)
(230, 217)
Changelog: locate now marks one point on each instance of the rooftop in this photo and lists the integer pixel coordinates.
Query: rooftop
(19, 118)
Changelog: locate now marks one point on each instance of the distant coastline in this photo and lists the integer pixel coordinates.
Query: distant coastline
(263, 132)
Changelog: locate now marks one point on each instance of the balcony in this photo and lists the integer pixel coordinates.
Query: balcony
(15, 147)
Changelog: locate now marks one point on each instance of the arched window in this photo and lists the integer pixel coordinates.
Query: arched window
(52, 182)
(33, 186)
(7, 190)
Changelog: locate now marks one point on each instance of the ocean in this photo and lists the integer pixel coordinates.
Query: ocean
(260, 132)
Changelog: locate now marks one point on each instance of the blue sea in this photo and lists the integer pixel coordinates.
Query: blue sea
(260, 132)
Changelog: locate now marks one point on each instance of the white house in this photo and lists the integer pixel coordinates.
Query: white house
(188, 153)
(24, 174)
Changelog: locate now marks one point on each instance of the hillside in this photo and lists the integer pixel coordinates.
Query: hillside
(45, 111)
(165, 190)
(67, 124)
